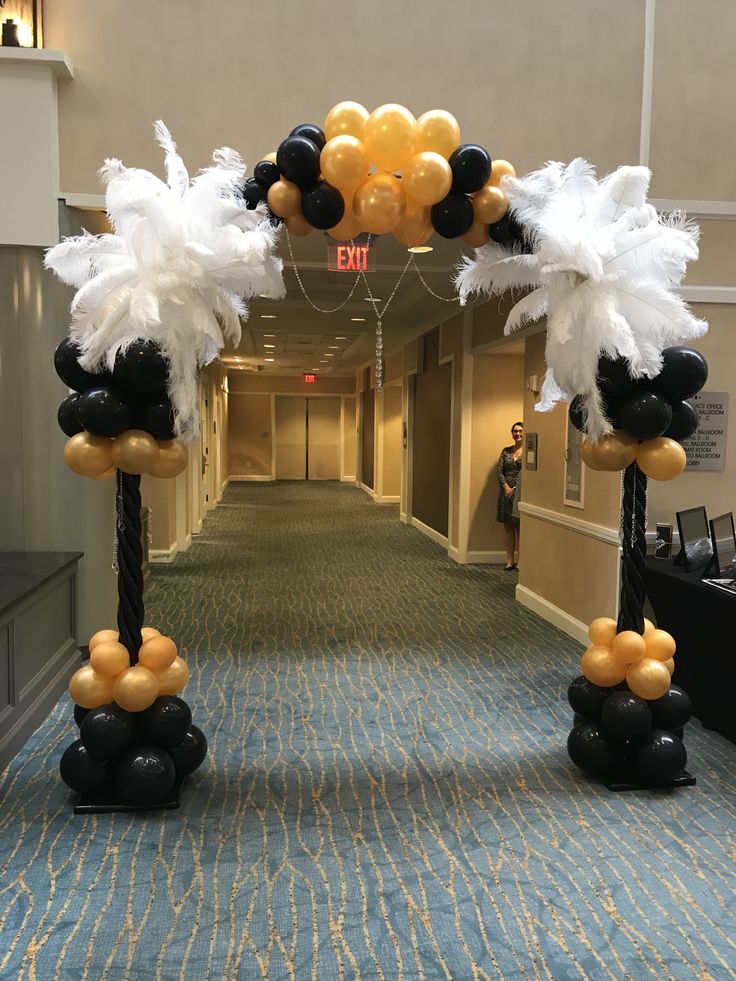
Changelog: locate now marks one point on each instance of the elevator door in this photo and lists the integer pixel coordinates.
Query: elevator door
(323, 438)
(291, 438)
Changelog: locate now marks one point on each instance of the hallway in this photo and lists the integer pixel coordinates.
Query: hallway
(387, 794)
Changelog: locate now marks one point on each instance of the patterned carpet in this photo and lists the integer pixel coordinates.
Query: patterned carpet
(387, 796)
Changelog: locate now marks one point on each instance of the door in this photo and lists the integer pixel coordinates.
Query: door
(367, 436)
(290, 442)
(323, 438)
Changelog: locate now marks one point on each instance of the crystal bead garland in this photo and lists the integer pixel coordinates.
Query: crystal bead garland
(379, 355)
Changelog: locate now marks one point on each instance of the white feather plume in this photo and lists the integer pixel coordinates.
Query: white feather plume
(184, 257)
(604, 267)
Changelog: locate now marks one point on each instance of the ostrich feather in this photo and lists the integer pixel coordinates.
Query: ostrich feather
(184, 257)
(604, 268)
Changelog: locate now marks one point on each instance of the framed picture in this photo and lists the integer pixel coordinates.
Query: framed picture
(574, 470)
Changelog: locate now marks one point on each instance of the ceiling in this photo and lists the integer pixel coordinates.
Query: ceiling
(300, 338)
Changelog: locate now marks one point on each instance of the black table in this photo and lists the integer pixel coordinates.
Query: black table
(702, 620)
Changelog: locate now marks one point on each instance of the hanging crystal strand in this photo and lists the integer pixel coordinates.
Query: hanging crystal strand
(379, 355)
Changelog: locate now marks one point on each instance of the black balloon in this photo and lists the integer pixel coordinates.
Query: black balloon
(312, 132)
(142, 368)
(616, 371)
(156, 417)
(79, 771)
(253, 193)
(274, 219)
(298, 160)
(509, 233)
(672, 710)
(323, 205)
(660, 758)
(471, 167)
(68, 415)
(626, 716)
(685, 419)
(645, 415)
(190, 753)
(104, 412)
(592, 750)
(266, 173)
(585, 698)
(80, 713)
(453, 215)
(684, 372)
(145, 775)
(166, 722)
(68, 368)
(107, 731)
(576, 412)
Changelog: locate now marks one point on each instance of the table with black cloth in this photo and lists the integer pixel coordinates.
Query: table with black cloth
(702, 619)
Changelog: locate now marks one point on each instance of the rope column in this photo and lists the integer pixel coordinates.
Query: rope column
(633, 569)
(130, 562)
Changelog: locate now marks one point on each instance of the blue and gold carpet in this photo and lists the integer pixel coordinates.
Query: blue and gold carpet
(387, 794)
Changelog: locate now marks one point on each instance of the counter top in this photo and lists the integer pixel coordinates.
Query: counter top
(23, 572)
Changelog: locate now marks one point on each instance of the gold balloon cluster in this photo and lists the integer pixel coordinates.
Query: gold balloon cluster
(133, 451)
(390, 169)
(109, 676)
(661, 458)
(645, 662)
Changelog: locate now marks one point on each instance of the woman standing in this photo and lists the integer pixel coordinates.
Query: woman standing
(507, 471)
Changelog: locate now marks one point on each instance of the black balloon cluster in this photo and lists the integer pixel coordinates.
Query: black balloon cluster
(650, 407)
(132, 396)
(136, 756)
(618, 735)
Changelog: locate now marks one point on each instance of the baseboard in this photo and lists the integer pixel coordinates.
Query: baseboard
(250, 476)
(553, 614)
(476, 557)
(429, 532)
(386, 499)
(403, 517)
(349, 480)
(187, 543)
(162, 555)
(368, 490)
(197, 529)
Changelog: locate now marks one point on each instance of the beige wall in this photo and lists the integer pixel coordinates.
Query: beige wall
(250, 435)
(349, 439)
(451, 349)
(241, 381)
(391, 441)
(497, 403)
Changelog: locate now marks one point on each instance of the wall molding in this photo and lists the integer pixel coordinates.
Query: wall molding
(386, 499)
(708, 294)
(349, 479)
(647, 88)
(608, 535)
(366, 489)
(476, 556)
(251, 476)
(552, 614)
(435, 536)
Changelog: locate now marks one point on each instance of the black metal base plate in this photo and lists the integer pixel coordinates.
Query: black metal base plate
(109, 802)
(628, 781)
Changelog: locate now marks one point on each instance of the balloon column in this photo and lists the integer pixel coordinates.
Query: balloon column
(384, 172)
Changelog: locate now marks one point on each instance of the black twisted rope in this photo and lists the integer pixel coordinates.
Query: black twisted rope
(130, 561)
(633, 569)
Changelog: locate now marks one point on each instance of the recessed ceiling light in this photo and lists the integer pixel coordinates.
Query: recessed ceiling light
(324, 362)
(269, 345)
(342, 338)
(420, 248)
(269, 359)
(334, 347)
(373, 299)
(358, 320)
(329, 355)
(269, 335)
(268, 316)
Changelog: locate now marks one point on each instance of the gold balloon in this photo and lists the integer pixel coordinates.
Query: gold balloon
(172, 459)
(601, 668)
(661, 458)
(158, 653)
(648, 678)
(476, 235)
(89, 689)
(148, 632)
(284, 198)
(660, 645)
(136, 689)
(415, 227)
(271, 157)
(389, 135)
(88, 455)
(379, 203)
(614, 452)
(670, 665)
(490, 204)
(107, 475)
(499, 170)
(174, 678)
(298, 224)
(344, 161)
(102, 637)
(346, 119)
(109, 659)
(601, 631)
(134, 451)
(629, 647)
(437, 131)
(347, 228)
(427, 178)
(648, 626)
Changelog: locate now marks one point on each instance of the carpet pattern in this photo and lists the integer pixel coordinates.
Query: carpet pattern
(387, 793)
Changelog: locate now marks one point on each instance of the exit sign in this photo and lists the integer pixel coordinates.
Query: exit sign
(346, 257)
(310, 379)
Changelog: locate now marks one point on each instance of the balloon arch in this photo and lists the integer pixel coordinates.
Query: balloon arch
(158, 298)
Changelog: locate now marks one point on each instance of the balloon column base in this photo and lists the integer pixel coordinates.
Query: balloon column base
(630, 781)
(110, 802)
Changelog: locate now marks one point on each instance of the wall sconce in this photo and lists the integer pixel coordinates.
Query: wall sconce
(21, 23)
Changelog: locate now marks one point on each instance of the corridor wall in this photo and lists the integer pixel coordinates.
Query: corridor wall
(431, 438)
(250, 436)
